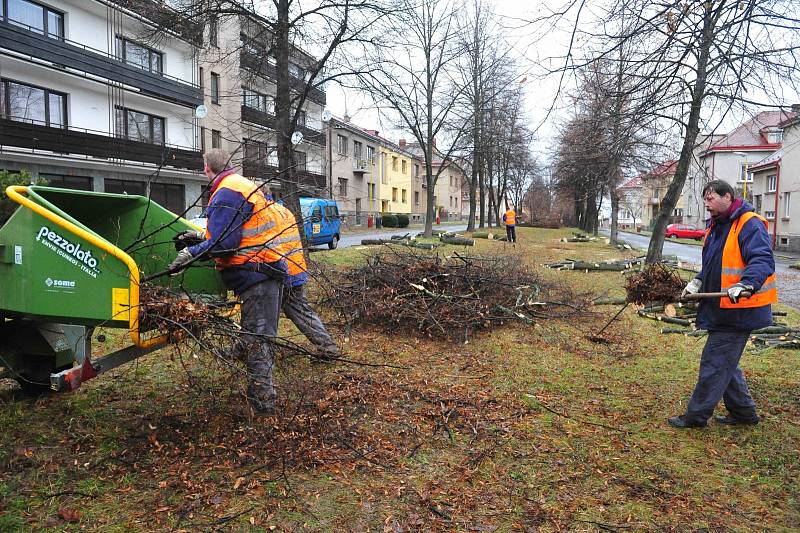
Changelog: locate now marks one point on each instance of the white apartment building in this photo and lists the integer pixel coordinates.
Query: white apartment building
(90, 100)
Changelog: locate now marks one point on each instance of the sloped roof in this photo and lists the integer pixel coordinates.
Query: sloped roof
(768, 161)
(632, 183)
(752, 133)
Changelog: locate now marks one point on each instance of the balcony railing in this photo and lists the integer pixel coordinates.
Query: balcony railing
(65, 53)
(360, 166)
(259, 65)
(262, 171)
(95, 144)
(256, 116)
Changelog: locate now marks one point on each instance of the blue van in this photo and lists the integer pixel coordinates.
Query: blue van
(321, 221)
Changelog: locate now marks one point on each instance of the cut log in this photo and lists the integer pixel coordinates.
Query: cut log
(669, 310)
(667, 319)
(457, 240)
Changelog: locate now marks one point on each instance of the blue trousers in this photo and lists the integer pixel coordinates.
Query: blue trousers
(721, 379)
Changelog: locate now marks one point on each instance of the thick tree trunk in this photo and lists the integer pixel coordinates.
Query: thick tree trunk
(614, 214)
(655, 250)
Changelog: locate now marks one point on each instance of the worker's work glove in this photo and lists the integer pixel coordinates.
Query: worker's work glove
(739, 291)
(693, 287)
(181, 262)
(188, 238)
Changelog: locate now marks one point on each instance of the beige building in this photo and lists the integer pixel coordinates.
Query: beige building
(237, 75)
(353, 170)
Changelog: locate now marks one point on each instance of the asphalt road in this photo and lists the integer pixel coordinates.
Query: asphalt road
(355, 239)
(788, 279)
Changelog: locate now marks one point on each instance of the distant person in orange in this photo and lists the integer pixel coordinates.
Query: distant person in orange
(510, 220)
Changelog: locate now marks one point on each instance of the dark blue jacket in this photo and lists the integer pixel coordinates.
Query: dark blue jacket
(227, 212)
(756, 247)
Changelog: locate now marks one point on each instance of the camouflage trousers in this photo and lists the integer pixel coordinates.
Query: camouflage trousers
(261, 306)
(297, 309)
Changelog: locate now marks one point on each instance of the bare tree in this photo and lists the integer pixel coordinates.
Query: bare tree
(416, 83)
(695, 58)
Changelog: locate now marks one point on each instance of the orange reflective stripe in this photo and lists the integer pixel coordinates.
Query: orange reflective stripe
(733, 266)
(258, 232)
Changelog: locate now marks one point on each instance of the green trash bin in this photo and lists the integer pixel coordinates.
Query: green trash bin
(74, 260)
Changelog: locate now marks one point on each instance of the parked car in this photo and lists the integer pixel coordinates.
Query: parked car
(321, 221)
(684, 231)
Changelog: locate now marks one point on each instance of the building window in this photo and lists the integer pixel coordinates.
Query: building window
(341, 145)
(139, 126)
(394, 163)
(256, 100)
(301, 118)
(772, 183)
(742, 173)
(214, 88)
(371, 154)
(297, 71)
(357, 150)
(342, 187)
(775, 137)
(202, 139)
(404, 196)
(125, 187)
(784, 241)
(216, 139)
(201, 76)
(213, 33)
(35, 105)
(787, 204)
(416, 171)
(394, 194)
(33, 17)
(403, 165)
(140, 56)
(78, 183)
(677, 212)
(300, 160)
(757, 199)
(769, 215)
(372, 190)
(169, 196)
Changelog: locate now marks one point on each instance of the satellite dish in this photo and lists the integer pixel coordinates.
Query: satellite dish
(297, 137)
(201, 111)
(326, 116)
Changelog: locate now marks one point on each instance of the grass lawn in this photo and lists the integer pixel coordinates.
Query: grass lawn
(527, 428)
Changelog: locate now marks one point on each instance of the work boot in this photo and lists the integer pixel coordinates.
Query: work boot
(680, 422)
(733, 421)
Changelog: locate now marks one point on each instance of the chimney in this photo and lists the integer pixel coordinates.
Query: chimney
(346, 117)
(402, 143)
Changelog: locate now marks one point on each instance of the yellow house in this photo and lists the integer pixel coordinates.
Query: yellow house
(396, 180)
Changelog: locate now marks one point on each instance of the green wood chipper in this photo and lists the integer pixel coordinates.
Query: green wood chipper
(72, 261)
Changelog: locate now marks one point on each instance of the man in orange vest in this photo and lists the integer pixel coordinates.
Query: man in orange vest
(295, 302)
(737, 259)
(510, 220)
(242, 236)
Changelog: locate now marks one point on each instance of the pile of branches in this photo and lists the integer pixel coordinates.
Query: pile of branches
(447, 297)
(173, 311)
(655, 283)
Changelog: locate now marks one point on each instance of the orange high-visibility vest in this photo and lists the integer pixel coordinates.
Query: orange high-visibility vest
(258, 232)
(289, 244)
(511, 218)
(733, 267)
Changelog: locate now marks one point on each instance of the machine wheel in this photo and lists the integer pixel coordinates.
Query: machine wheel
(334, 242)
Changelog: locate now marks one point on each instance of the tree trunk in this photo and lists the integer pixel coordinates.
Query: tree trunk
(614, 193)
(655, 250)
(482, 196)
(287, 174)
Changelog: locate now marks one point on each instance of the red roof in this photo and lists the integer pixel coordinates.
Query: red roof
(753, 133)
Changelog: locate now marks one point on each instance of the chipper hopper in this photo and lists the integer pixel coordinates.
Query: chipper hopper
(72, 261)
